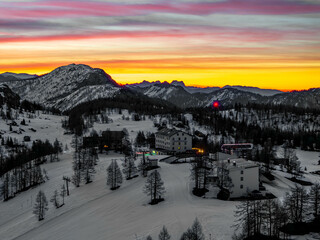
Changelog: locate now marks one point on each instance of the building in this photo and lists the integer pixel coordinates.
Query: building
(109, 140)
(220, 156)
(244, 175)
(173, 140)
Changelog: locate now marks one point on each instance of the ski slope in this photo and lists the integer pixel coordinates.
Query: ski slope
(95, 212)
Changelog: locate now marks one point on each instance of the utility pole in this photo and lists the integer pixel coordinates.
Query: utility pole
(67, 180)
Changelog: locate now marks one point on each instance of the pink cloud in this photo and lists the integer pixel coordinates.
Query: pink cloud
(60, 8)
(205, 33)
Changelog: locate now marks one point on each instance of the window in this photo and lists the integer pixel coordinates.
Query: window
(241, 171)
(173, 139)
(241, 186)
(179, 143)
(241, 179)
(185, 138)
(179, 138)
(172, 148)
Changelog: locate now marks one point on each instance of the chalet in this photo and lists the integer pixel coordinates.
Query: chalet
(173, 140)
(111, 140)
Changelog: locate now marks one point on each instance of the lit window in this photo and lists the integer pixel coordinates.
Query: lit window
(179, 148)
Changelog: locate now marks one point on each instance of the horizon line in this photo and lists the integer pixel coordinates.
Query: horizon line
(167, 81)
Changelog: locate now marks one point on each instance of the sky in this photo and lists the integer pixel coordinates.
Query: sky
(263, 43)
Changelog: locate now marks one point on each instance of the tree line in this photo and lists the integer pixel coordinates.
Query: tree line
(276, 219)
(21, 178)
(38, 153)
(134, 102)
(245, 131)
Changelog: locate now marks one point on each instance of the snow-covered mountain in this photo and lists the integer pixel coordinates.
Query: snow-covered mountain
(175, 83)
(8, 76)
(230, 96)
(306, 99)
(262, 92)
(67, 86)
(180, 95)
(192, 89)
(142, 84)
(177, 95)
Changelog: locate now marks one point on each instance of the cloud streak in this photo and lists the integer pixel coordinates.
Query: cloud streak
(200, 29)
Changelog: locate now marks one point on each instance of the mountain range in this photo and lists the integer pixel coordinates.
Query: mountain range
(67, 86)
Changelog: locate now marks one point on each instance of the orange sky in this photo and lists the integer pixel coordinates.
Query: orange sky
(273, 44)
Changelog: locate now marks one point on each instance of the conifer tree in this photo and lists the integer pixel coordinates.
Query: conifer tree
(194, 233)
(154, 187)
(55, 199)
(41, 205)
(129, 168)
(114, 178)
(164, 235)
(315, 199)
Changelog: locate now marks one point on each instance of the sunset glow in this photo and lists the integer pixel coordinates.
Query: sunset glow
(267, 44)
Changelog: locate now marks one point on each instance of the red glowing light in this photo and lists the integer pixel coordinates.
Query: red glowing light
(216, 104)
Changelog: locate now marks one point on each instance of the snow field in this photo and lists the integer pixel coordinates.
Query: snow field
(95, 212)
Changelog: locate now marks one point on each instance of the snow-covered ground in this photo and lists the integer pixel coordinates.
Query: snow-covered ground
(95, 212)
(119, 124)
(46, 126)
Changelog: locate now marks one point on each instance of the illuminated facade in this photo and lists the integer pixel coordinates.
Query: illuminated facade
(173, 140)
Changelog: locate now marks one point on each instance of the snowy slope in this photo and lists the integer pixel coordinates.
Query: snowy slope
(94, 212)
(67, 86)
(46, 126)
(306, 99)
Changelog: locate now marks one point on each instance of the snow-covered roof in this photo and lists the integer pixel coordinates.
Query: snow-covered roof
(239, 163)
(223, 156)
(169, 132)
